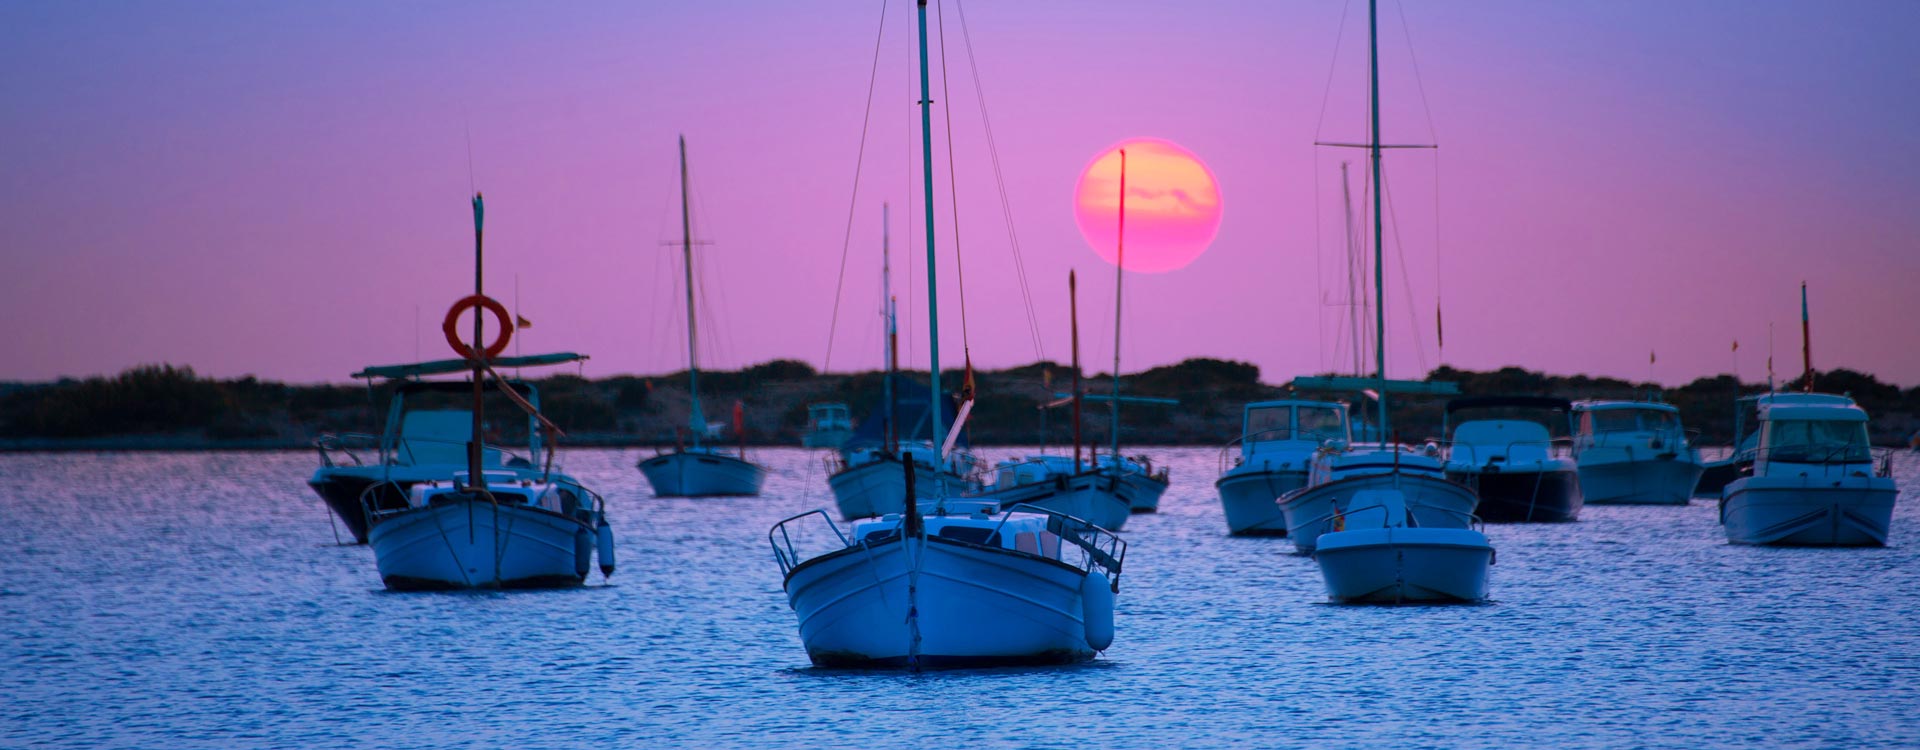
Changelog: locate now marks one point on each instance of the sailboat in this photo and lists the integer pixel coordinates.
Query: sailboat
(1815, 481)
(869, 479)
(699, 469)
(1394, 529)
(948, 582)
(482, 529)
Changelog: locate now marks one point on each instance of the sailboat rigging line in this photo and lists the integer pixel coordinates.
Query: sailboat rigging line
(1319, 272)
(1413, 318)
(1332, 65)
(1000, 181)
(853, 201)
(1419, 84)
(953, 189)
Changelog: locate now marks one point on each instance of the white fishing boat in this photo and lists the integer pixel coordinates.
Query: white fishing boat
(1382, 555)
(971, 585)
(828, 425)
(1511, 458)
(1278, 440)
(427, 430)
(493, 530)
(952, 582)
(1633, 453)
(698, 469)
(1815, 481)
(1337, 478)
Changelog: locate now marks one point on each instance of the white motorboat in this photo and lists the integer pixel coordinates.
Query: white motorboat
(1633, 453)
(967, 585)
(1814, 480)
(1511, 459)
(478, 529)
(1278, 440)
(511, 533)
(828, 425)
(1383, 555)
(699, 470)
(1336, 477)
(427, 430)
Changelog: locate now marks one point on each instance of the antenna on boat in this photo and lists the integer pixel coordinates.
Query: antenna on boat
(1806, 341)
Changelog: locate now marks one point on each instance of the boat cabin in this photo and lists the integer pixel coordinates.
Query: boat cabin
(1796, 432)
(829, 417)
(1627, 424)
(1286, 425)
(430, 422)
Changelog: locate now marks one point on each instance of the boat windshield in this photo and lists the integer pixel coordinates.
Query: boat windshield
(1323, 423)
(1817, 441)
(1270, 423)
(1629, 420)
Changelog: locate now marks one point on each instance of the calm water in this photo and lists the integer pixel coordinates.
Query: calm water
(199, 600)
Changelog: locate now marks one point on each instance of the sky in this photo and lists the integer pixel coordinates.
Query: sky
(282, 189)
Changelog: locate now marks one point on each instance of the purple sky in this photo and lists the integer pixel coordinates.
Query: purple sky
(277, 188)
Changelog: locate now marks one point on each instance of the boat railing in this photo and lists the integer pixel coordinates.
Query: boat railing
(1829, 456)
(1560, 447)
(785, 550)
(1661, 439)
(1099, 547)
(1234, 453)
(347, 444)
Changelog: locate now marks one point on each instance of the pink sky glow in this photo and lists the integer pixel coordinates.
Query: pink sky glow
(282, 189)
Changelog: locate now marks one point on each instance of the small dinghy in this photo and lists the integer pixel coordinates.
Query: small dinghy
(1380, 555)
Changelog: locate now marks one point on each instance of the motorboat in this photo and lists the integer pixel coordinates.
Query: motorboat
(1814, 480)
(1633, 453)
(490, 530)
(428, 426)
(1380, 554)
(828, 425)
(1278, 440)
(699, 469)
(1336, 477)
(1511, 458)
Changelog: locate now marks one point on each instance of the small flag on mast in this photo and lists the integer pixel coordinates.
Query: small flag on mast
(1652, 358)
(1736, 345)
(520, 322)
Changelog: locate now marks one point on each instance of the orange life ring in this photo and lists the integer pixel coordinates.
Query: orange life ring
(480, 301)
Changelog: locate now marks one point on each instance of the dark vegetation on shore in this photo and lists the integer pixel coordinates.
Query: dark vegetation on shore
(168, 407)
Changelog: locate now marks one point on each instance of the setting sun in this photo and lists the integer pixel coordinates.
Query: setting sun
(1173, 205)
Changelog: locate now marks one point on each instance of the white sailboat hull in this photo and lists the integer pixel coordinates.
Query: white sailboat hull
(1249, 496)
(475, 544)
(1809, 511)
(879, 487)
(1405, 565)
(977, 606)
(1096, 498)
(701, 474)
(1435, 503)
(1618, 478)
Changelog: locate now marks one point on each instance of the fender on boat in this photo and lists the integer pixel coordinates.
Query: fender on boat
(582, 552)
(1096, 610)
(604, 533)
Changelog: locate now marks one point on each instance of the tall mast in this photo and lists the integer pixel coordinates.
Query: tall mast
(937, 400)
(698, 420)
(893, 330)
(1379, 278)
(475, 446)
(1119, 275)
(1073, 315)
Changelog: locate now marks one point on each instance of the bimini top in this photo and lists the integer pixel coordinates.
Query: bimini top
(1580, 406)
(1487, 402)
(1294, 402)
(450, 366)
